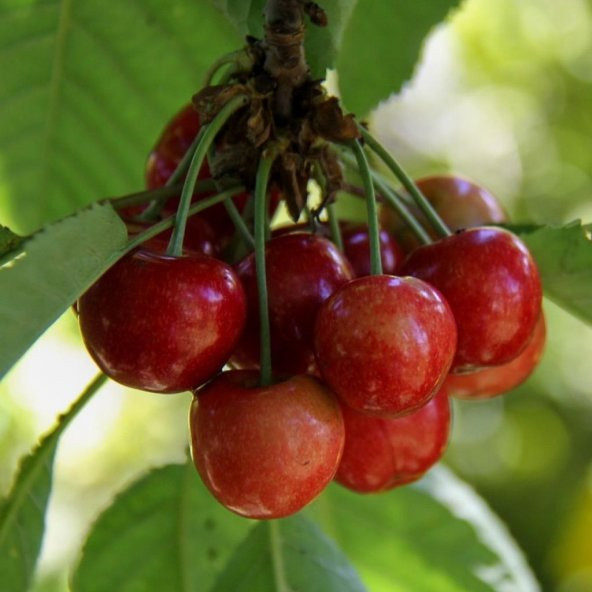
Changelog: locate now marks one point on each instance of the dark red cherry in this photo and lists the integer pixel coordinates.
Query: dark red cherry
(356, 246)
(160, 323)
(303, 270)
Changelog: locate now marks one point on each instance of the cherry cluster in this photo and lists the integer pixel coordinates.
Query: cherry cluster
(362, 364)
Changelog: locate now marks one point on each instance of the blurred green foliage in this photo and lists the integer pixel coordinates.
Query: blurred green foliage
(504, 97)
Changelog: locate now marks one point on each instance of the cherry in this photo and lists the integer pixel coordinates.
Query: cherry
(356, 246)
(497, 380)
(459, 202)
(160, 323)
(168, 152)
(173, 143)
(384, 344)
(492, 285)
(303, 270)
(382, 453)
(265, 451)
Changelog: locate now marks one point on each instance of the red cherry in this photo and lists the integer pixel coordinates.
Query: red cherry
(160, 323)
(497, 380)
(170, 147)
(265, 452)
(303, 270)
(168, 152)
(459, 202)
(492, 285)
(385, 344)
(382, 453)
(356, 246)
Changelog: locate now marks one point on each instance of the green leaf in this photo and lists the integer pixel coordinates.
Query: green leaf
(564, 259)
(53, 269)
(321, 43)
(381, 46)
(9, 241)
(86, 89)
(287, 556)
(22, 513)
(436, 536)
(165, 532)
(245, 15)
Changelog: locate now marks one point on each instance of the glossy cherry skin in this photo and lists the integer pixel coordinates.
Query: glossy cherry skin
(265, 452)
(492, 285)
(303, 270)
(168, 152)
(356, 246)
(384, 344)
(459, 202)
(497, 380)
(160, 323)
(382, 453)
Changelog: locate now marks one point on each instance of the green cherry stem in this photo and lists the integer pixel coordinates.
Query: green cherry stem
(350, 162)
(239, 59)
(334, 226)
(395, 202)
(205, 137)
(421, 201)
(159, 194)
(167, 223)
(239, 224)
(398, 202)
(373, 231)
(261, 184)
(154, 209)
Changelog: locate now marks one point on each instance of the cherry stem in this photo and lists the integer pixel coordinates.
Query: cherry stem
(421, 201)
(395, 202)
(206, 136)
(261, 184)
(154, 209)
(373, 231)
(334, 226)
(355, 190)
(239, 223)
(169, 222)
(233, 58)
(157, 195)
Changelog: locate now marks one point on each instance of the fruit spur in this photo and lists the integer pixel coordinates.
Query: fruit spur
(321, 350)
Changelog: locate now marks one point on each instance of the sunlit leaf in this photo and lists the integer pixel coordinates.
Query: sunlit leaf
(86, 89)
(22, 513)
(165, 532)
(51, 271)
(288, 555)
(564, 259)
(381, 46)
(437, 536)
